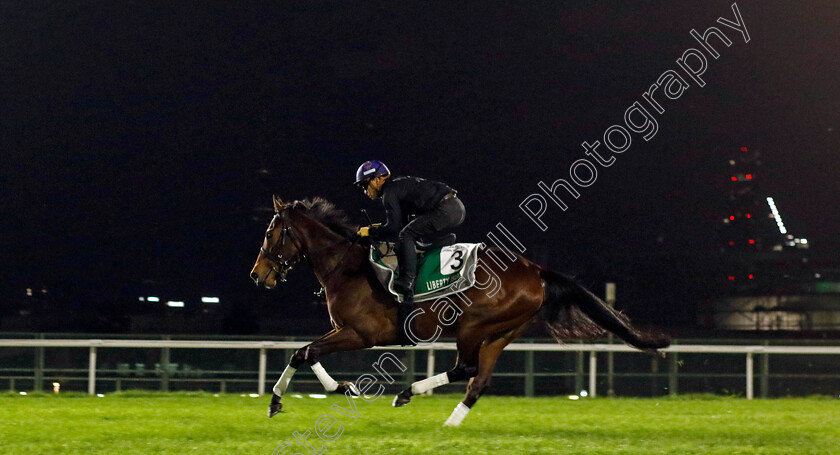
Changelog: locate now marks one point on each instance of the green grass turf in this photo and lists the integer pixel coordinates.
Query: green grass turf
(184, 423)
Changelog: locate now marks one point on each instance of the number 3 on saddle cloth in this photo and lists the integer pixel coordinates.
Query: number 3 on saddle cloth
(440, 271)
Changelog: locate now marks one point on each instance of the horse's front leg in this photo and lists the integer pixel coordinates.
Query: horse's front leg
(335, 341)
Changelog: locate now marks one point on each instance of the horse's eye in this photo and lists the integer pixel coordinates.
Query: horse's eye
(268, 235)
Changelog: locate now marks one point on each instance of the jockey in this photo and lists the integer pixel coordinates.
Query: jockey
(435, 205)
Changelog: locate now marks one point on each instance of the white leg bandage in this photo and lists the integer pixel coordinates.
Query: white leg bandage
(326, 380)
(457, 416)
(283, 382)
(429, 383)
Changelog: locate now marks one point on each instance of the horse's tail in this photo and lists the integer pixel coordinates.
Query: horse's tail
(571, 311)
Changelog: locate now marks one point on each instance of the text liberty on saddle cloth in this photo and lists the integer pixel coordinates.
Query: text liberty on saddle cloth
(438, 270)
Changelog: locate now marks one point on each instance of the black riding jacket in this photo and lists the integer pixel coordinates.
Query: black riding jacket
(405, 196)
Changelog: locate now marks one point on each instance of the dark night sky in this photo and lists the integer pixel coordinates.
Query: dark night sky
(131, 133)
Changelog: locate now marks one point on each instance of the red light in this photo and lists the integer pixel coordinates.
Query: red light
(751, 276)
(752, 241)
(743, 149)
(731, 243)
(749, 176)
(731, 217)
(734, 179)
(749, 216)
(731, 278)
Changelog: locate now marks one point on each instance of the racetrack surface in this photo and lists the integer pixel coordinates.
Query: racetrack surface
(179, 423)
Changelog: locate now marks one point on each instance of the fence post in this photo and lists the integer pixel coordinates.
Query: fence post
(164, 374)
(610, 371)
(654, 369)
(529, 374)
(39, 367)
(593, 370)
(765, 375)
(578, 372)
(261, 374)
(430, 367)
(410, 372)
(749, 375)
(673, 380)
(609, 297)
(92, 371)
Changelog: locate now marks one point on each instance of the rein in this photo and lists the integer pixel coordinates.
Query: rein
(277, 259)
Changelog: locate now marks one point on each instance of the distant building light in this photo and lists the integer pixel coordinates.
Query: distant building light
(29, 292)
(776, 215)
(817, 275)
(142, 299)
(210, 300)
(153, 299)
(804, 241)
(175, 304)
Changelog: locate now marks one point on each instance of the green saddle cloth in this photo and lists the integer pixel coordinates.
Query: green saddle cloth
(437, 270)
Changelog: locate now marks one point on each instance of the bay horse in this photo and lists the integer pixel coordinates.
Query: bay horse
(363, 314)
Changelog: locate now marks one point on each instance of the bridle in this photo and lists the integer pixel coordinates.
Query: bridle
(280, 265)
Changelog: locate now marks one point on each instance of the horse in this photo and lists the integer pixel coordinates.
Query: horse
(363, 314)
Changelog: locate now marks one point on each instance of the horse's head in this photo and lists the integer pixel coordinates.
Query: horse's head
(280, 250)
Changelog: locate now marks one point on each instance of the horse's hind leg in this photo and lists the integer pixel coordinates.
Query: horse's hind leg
(487, 356)
(460, 372)
(466, 367)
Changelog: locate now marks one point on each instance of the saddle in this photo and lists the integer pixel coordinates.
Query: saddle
(436, 242)
(441, 264)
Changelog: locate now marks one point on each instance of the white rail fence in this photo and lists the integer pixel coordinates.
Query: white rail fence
(93, 345)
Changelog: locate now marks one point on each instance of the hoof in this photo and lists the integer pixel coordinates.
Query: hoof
(275, 407)
(402, 398)
(346, 386)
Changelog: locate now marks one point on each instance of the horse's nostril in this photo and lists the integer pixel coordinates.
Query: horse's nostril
(255, 276)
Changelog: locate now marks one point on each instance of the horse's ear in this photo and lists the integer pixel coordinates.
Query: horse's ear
(278, 203)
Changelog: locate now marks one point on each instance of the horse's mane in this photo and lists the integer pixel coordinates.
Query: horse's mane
(329, 215)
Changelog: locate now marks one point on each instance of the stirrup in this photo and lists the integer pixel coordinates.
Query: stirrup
(403, 288)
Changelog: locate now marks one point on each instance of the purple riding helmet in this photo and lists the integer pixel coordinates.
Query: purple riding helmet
(371, 169)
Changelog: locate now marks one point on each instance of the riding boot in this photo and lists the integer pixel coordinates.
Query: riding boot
(407, 257)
